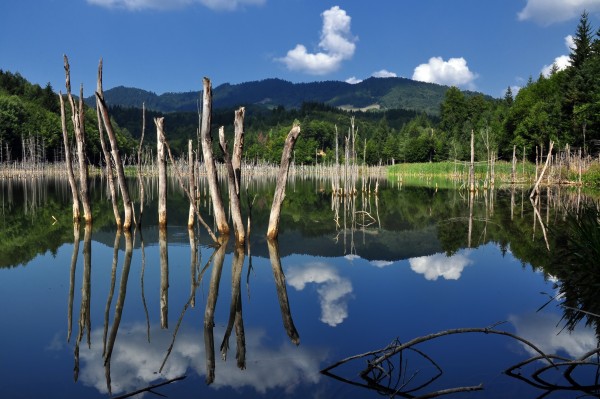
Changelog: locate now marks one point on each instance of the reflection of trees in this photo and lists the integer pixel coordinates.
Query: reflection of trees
(84, 313)
(164, 277)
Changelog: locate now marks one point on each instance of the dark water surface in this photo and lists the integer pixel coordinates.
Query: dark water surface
(83, 318)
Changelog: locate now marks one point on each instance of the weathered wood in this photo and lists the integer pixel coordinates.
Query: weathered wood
(288, 148)
(162, 172)
(238, 147)
(472, 164)
(110, 177)
(191, 183)
(535, 190)
(116, 157)
(209, 162)
(234, 197)
(69, 161)
(139, 166)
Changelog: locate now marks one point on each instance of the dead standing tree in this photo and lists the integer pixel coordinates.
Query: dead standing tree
(116, 157)
(162, 173)
(78, 119)
(69, 161)
(286, 156)
(209, 161)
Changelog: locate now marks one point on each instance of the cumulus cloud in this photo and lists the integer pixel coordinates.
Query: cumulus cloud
(547, 12)
(561, 62)
(336, 45)
(333, 290)
(454, 72)
(138, 5)
(353, 80)
(440, 265)
(384, 73)
(134, 361)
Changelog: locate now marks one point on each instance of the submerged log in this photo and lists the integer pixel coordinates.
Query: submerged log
(209, 162)
(288, 149)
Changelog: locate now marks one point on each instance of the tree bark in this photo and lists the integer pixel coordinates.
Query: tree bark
(472, 164)
(191, 184)
(234, 197)
(110, 177)
(288, 148)
(209, 162)
(162, 172)
(238, 147)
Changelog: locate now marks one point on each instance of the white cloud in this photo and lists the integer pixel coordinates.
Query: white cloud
(381, 263)
(333, 290)
(543, 330)
(384, 73)
(547, 12)
(353, 80)
(440, 265)
(137, 5)
(562, 61)
(454, 72)
(337, 45)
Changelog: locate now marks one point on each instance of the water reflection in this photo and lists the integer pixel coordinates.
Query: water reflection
(440, 265)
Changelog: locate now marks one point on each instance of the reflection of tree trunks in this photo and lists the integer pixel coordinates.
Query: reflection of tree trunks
(235, 310)
(209, 162)
(164, 278)
(72, 278)
(118, 307)
(162, 173)
(193, 265)
(284, 304)
(84, 313)
(539, 219)
(109, 168)
(143, 250)
(209, 313)
(471, 195)
(234, 197)
(113, 278)
(286, 156)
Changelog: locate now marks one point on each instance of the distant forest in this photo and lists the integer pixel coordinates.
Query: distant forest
(563, 107)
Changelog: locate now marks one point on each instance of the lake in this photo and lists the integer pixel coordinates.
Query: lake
(96, 313)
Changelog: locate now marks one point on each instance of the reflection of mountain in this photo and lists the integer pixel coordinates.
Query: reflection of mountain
(333, 289)
(135, 362)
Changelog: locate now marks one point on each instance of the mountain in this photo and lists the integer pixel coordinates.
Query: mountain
(372, 93)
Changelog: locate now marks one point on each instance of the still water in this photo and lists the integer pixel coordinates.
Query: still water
(97, 314)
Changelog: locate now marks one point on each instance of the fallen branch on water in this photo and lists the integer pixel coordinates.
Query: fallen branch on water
(150, 388)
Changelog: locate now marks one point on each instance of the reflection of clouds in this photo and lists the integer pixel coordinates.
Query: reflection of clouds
(135, 362)
(542, 330)
(333, 289)
(438, 265)
(381, 263)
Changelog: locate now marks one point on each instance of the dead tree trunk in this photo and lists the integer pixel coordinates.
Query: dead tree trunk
(78, 119)
(69, 161)
(116, 157)
(472, 164)
(238, 147)
(191, 184)
(288, 148)
(209, 162)
(234, 197)
(162, 172)
(139, 165)
(535, 190)
(513, 177)
(109, 168)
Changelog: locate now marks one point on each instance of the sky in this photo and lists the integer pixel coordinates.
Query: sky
(170, 45)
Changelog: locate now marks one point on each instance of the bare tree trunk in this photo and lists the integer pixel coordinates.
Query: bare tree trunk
(513, 177)
(191, 183)
(238, 147)
(139, 166)
(234, 198)
(109, 168)
(127, 204)
(472, 164)
(162, 172)
(69, 161)
(535, 190)
(288, 148)
(209, 162)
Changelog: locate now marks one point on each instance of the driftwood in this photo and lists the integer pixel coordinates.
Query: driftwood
(209, 162)
(286, 156)
(109, 168)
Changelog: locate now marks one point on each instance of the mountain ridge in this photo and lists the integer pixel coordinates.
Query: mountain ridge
(371, 93)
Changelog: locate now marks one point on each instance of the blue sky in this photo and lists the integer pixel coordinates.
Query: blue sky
(170, 45)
